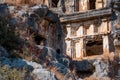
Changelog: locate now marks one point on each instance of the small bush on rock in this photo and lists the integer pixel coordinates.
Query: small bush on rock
(9, 38)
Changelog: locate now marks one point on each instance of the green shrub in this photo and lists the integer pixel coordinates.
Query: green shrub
(7, 73)
(9, 38)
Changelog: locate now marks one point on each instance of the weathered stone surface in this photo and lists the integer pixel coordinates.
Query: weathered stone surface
(62, 71)
(101, 69)
(57, 63)
(41, 73)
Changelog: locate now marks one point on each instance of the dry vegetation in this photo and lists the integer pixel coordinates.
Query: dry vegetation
(7, 73)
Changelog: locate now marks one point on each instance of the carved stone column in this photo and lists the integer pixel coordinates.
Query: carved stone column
(106, 46)
(71, 6)
(78, 51)
(91, 30)
(68, 41)
(83, 5)
(82, 48)
(68, 48)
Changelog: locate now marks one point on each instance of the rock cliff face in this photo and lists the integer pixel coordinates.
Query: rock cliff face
(43, 39)
(40, 28)
(37, 22)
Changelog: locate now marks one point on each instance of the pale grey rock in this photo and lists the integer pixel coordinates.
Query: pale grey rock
(80, 79)
(40, 72)
(101, 69)
(37, 69)
(43, 74)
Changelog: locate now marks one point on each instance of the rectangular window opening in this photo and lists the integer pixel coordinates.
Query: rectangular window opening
(94, 48)
(92, 4)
